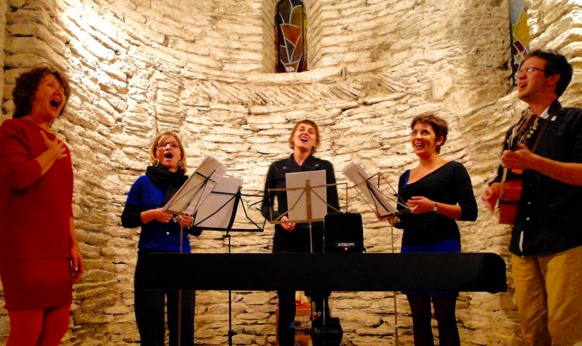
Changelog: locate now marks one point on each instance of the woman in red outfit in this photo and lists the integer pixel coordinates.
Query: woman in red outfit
(39, 255)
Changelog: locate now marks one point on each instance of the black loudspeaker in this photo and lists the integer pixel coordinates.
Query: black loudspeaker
(343, 232)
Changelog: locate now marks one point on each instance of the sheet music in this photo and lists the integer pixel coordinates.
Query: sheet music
(372, 194)
(218, 208)
(197, 188)
(297, 196)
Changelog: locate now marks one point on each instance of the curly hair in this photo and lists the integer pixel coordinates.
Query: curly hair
(27, 85)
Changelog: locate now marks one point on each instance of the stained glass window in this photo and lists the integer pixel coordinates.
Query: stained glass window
(290, 36)
(519, 33)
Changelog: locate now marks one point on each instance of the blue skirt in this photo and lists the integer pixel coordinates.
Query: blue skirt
(447, 245)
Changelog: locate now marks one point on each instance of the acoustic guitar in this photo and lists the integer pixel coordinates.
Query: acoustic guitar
(510, 191)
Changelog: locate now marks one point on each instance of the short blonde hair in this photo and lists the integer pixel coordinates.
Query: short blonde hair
(154, 148)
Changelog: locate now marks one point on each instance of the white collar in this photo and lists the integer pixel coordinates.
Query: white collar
(545, 114)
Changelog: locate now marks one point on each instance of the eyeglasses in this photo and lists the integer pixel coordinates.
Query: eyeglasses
(527, 71)
(173, 145)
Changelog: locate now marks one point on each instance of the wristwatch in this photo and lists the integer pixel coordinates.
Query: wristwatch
(435, 208)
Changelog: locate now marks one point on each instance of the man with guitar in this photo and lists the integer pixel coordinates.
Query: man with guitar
(546, 240)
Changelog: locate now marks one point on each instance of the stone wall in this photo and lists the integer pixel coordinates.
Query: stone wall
(203, 68)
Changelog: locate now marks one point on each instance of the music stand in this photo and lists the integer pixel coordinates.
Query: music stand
(218, 213)
(195, 190)
(188, 199)
(381, 204)
(215, 209)
(301, 189)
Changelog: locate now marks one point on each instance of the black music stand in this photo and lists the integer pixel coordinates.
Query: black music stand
(188, 199)
(374, 190)
(212, 199)
(325, 330)
(218, 213)
(381, 203)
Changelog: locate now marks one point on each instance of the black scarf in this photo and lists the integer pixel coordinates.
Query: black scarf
(168, 181)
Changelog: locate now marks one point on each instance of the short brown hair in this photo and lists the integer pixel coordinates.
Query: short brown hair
(439, 125)
(314, 125)
(556, 63)
(27, 85)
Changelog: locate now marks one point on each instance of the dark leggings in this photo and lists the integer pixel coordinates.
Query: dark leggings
(151, 307)
(287, 308)
(286, 325)
(444, 309)
(149, 313)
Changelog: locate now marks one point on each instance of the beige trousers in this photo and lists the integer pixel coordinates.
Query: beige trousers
(548, 291)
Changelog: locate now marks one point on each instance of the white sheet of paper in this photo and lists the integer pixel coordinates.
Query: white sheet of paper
(297, 197)
(195, 190)
(218, 207)
(372, 194)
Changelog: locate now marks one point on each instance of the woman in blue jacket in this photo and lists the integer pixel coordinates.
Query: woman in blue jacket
(160, 232)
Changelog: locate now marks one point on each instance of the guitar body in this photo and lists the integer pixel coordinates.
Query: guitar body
(510, 192)
(508, 201)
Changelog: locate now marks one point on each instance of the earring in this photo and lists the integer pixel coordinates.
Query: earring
(180, 163)
(157, 163)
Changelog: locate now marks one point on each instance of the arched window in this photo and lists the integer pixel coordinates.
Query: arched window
(290, 36)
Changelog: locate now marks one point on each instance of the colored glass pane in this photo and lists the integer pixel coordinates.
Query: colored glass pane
(519, 33)
(290, 36)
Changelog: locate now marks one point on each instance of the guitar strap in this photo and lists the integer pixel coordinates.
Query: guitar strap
(545, 123)
(554, 110)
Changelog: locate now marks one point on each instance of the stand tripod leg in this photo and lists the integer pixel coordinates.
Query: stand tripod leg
(325, 330)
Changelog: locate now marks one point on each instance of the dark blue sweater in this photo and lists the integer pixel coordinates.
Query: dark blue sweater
(155, 235)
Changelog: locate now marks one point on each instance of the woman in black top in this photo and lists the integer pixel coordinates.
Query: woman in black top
(291, 237)
(437, 192)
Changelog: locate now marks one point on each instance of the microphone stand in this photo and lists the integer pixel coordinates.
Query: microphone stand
(319, 318)
(321, 327)
(231, 332)
(233, 201)
(180, 292)
(396, 326)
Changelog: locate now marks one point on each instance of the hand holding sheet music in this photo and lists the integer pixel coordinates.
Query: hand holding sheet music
(209, 199)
